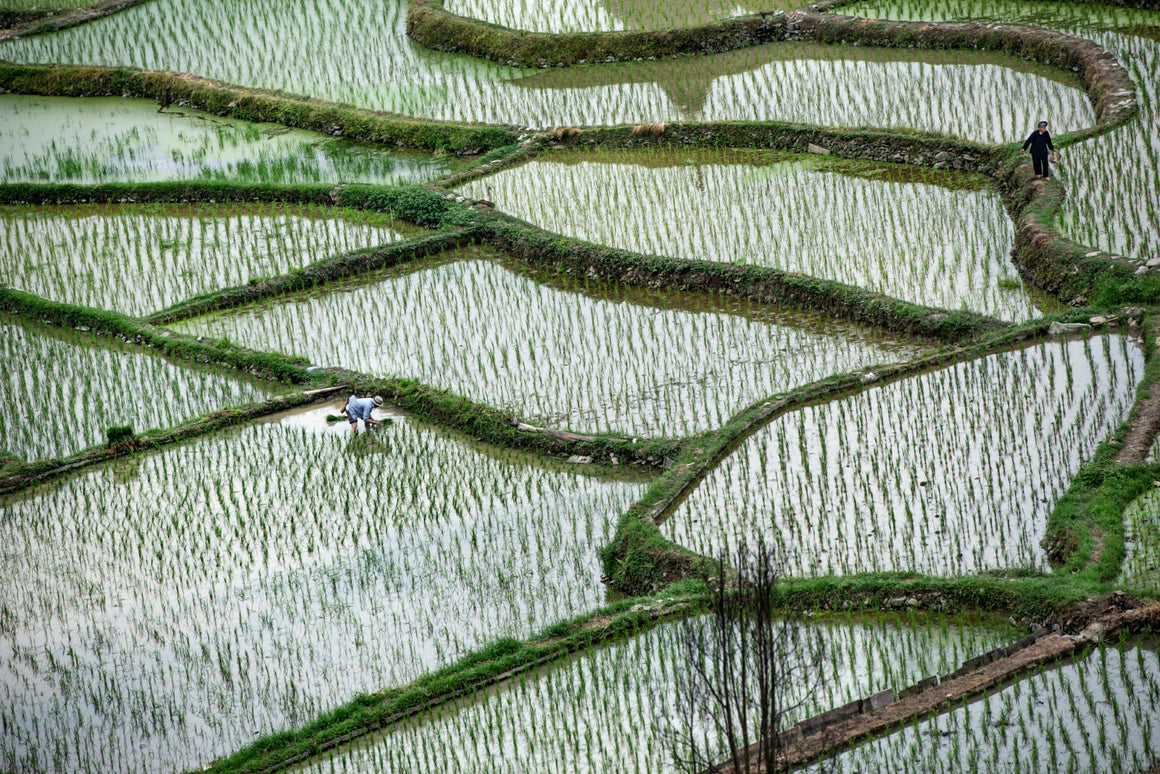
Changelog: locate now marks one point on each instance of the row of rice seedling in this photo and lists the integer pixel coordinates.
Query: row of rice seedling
(138, 259)
(97, 140)
(1142, 541)
(947, 473)
(1113, 181)
(1097, 713)
(62, 392)
(602, 15)
(617, 708)
(923, 242)
(554, 357)
(250, 43)
(249, 582)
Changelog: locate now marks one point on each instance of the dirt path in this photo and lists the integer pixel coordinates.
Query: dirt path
(1145, 424)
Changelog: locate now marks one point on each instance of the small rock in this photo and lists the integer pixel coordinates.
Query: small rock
(869, 377)
(1099, 319)
(942, 156)
(1092, 254)
(817, 149)
(614, 459)
(577, 459)
(1141, 270)
(1062, 329)
(1153, 263)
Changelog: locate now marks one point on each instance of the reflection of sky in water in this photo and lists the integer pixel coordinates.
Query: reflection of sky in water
(61, 139)
(389, 72)
(247, 582)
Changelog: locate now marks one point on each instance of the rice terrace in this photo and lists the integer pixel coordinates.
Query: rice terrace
(530, 386)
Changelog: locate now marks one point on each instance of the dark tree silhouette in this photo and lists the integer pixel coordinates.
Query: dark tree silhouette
(749, 670)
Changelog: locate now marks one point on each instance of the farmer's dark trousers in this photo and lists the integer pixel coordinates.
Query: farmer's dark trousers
(1041, 165)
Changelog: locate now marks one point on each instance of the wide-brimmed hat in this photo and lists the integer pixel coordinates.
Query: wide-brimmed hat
(378, 400)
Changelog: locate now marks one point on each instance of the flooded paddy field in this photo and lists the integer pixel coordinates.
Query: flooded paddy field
(935, 238)
(947, 473)
(560, 357)
(604, 15)
(989, 100)
(1097, 713)
(616, 708)
(1112, 181)
(161, 612)
(139, 259)
(109, 139)
(62, 391)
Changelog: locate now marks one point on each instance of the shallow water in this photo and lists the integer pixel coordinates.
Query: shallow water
(251, 43)
(616, 708)
(138, 259)
(553, 357)
(945, 245)
(61, 391)
(109, 139)
(948, 473)
(161, 613)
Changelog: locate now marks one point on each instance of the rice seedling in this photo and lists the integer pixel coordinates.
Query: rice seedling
(96, 140)
(138, 259)
(159, 621)
(611, 709)
(61, 392)
(1097, 713)
(941, 240)
(947, 473)
(1142, 541)
(554, 357)
(979, 101)
(1113, 181)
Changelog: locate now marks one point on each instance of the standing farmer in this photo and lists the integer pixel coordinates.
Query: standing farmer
(1040, 144)
(361, 408)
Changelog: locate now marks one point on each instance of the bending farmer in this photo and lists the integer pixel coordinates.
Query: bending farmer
(1040, 144)
(361, 408)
